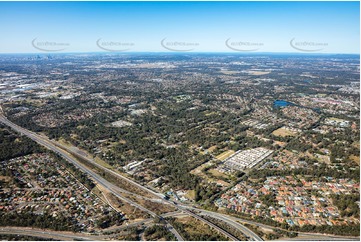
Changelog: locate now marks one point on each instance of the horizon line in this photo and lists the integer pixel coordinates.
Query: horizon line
(175, 52)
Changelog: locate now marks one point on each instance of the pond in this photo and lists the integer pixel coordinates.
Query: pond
(281, 103)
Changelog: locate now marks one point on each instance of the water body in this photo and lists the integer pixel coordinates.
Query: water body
(281, 103)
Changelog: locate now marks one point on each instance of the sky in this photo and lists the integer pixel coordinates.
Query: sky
(300, 27)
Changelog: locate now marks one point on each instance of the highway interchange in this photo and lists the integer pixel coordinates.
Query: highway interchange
(111, 187)
(68, 155)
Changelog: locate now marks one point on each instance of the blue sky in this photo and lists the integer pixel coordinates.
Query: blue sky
(205, 26)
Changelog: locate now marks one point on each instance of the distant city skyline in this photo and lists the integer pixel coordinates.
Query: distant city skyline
(238, 27)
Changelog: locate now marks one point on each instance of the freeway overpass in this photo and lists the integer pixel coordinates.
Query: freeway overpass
(66, 154)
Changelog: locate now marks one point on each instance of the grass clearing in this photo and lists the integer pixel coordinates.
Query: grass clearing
(103, 163)
(223, 183)
(356, 145)
(355, 158)
(211, 113)
(158, 208)
(130, 211)
(225, 155)
(194, 230)
(212, 148)
(73, 148)
(282, 144)
(198, 170)
(283, 132)
(217, 173)
(258, 73)
(5, 178)
(323, 158)
(191, 194)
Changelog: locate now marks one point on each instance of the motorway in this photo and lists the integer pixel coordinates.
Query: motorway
(109, 186)
(48, 234)
(244, 229)
(301, 235)
(249, 233)
(67, 154)
(112, 188)
(62, 151)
